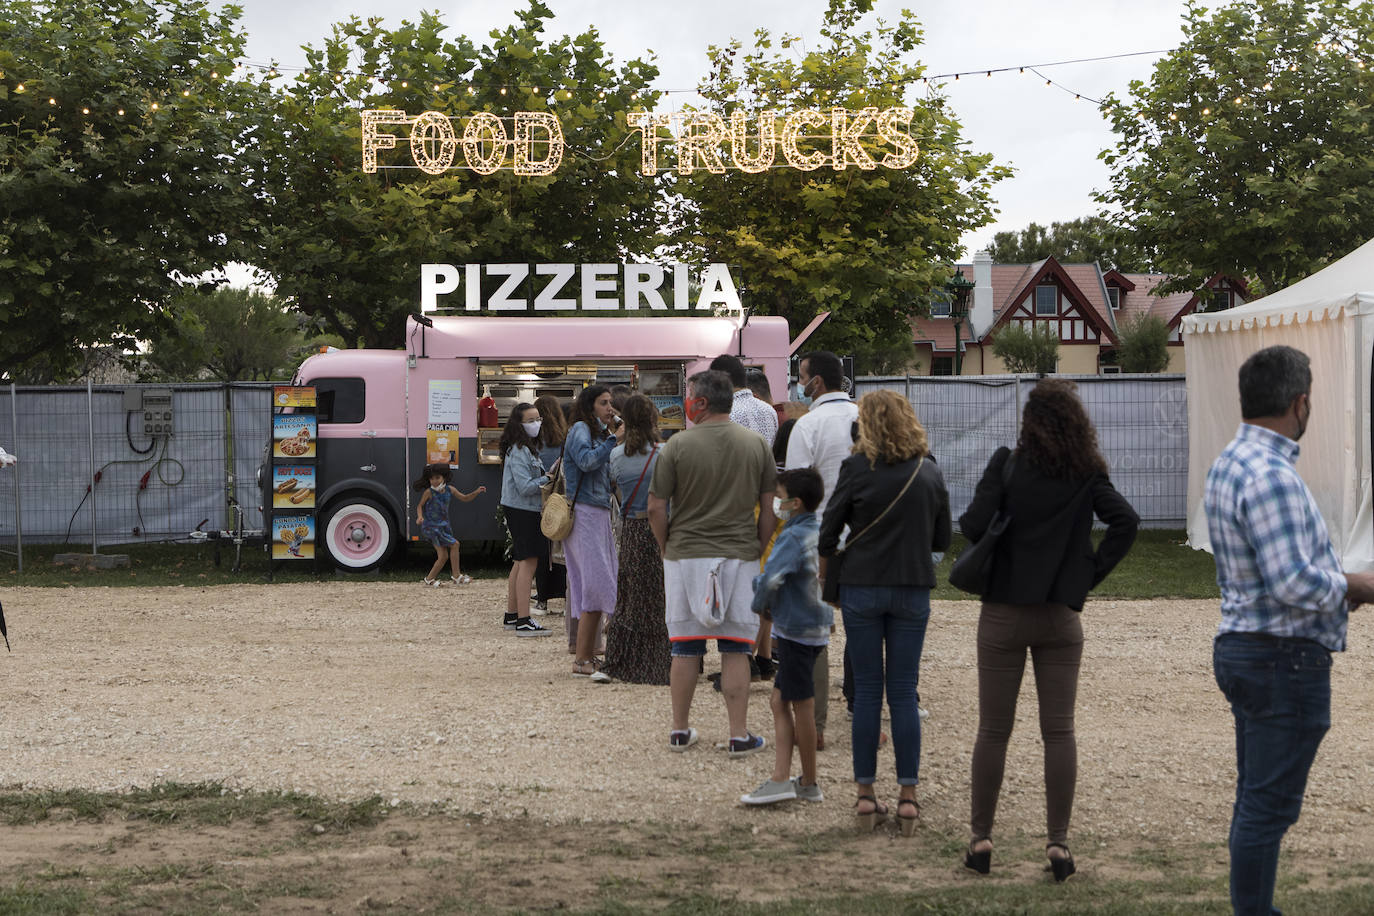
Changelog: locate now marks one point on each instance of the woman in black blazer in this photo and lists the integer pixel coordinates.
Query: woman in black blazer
(893, 498)
(1043, 568)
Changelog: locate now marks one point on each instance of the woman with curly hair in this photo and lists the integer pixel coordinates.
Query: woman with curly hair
(893, 498)
(1043, 568)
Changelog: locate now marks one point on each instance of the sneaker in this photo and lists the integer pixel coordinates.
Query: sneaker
(922, 713)
(433, 583)
(510, 621)
(526, 627)
(600, 677)
(771, 792)
(743, 747)
(754, 673)
(539, 608)
(768, 669)
(811, 793)
(680, 741)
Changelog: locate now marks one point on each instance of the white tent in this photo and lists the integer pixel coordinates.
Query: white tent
(1330, 317)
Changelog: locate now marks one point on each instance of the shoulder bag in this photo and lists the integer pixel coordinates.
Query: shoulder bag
(830, 587)
(973, 570)
(556, 520)
(633, 493)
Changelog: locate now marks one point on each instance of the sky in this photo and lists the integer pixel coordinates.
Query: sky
(1051, 139)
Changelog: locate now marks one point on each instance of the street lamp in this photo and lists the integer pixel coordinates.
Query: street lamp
(959, 288)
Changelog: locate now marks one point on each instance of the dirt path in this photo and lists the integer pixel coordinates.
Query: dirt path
(352, 689)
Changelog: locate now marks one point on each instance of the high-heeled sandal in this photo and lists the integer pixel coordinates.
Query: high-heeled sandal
(907, 822)
(979, 861)
(1063, 866)
(868, 821)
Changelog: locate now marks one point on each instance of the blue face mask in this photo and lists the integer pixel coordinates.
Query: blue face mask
(801, 397)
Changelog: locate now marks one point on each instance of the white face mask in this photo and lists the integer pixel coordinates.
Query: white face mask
(779, 511)
(532, 429)
(441, 488)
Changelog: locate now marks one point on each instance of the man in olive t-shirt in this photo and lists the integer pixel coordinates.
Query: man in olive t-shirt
(711, 477)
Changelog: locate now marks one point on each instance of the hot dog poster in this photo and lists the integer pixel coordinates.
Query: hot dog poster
(293, 487)
(293, 537)
(293, 435)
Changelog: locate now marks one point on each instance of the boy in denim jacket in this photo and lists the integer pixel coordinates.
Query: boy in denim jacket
(788, 591)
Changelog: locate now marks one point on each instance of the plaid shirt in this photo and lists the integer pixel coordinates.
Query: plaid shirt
(1276, 567)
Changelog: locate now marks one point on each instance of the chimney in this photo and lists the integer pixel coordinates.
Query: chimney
(980, 312)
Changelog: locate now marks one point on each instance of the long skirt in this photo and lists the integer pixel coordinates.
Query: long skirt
(590, 551)
(637, 648)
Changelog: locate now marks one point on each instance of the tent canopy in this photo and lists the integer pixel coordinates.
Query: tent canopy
(1330, 317)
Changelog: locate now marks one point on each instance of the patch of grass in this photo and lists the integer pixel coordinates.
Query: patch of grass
(47, 901)
(1160, 565)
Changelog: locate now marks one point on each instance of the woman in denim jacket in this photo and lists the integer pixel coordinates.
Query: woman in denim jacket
(590, 548)
(522, 476)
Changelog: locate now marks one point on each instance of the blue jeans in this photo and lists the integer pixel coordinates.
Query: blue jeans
(893, 616)
(1280, 695)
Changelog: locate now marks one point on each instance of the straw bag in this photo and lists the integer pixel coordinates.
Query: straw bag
(556, 520)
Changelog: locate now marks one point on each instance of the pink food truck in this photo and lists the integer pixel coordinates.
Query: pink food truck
(384, 414)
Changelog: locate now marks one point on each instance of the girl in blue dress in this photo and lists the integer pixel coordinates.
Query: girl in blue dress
(431, 514)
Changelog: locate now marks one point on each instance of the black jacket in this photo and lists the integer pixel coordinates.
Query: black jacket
(897, 550)
(1046, 554)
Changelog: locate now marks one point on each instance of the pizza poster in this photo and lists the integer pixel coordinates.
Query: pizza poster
(293, 436)
(441, 444)
(292, 396)
(293, 537)
(670, 412)
(293, 487)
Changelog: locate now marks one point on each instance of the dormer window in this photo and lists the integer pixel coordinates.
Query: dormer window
(1046, 300)
(1221, 300)
(939, 309)
(1114, 296)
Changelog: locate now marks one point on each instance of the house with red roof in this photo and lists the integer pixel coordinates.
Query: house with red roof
(1085, 305)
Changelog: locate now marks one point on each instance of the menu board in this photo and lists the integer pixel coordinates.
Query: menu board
(295, 471)
(293, 537)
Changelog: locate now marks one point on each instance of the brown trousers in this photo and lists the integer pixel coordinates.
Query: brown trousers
(1054, 635)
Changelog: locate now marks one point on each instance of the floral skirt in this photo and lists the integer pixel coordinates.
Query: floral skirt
(637, 648)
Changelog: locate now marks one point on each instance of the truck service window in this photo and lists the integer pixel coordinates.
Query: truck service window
(340, 400)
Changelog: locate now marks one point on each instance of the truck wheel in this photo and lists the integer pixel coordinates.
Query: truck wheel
(358, 533)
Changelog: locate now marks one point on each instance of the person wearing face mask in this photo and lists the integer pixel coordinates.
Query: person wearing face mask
(590, 549)
(432, 515)
(822, 438)
(522, 476)
(713, 475)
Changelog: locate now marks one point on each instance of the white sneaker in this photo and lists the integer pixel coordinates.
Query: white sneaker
(771, 792)
(922, 713)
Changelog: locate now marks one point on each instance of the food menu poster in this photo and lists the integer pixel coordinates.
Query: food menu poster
(293, 487)
(441, 444)
(445, 403)
(293, 537)
(292, 396)
(293, 436)
(670, 411)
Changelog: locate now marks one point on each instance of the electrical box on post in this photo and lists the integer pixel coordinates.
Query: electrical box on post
(152, 409)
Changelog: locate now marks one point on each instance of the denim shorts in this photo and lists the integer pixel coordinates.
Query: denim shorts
(696, 648)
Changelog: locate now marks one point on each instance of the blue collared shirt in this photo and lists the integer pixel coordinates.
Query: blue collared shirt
(1276, 567)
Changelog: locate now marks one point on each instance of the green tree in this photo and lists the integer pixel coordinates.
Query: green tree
(126, 165)
(1248, 151)
(230, 334)
(1144, 344)
(868, 246)
(347, 246)
(1084, 240)
(1022, 349)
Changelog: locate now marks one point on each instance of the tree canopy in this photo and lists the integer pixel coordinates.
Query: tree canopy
(1027, 347)
(128, 164)
(1248, 150)
(1088, 239)
(347, 246)
(867, 245)
(1144, 344)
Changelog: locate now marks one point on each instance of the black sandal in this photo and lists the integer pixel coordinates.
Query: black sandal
(868, 821)
(1063, 866)
(980, 862)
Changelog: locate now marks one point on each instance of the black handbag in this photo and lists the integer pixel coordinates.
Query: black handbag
(830, 585)
(972, 572)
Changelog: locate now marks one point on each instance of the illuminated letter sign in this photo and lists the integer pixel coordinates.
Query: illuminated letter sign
(603, 287)
(536, 149)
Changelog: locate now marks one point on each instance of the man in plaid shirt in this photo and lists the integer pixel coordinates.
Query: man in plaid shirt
(1284, 607)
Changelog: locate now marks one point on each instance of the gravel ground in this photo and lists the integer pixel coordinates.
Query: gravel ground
(349, 689)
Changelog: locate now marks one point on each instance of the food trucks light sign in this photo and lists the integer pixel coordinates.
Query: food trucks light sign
(809, 139)
(604, 287)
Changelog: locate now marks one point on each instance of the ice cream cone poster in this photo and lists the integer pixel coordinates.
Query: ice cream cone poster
(293, 436)
(441, 444)
(293, 487)
(293, 537)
